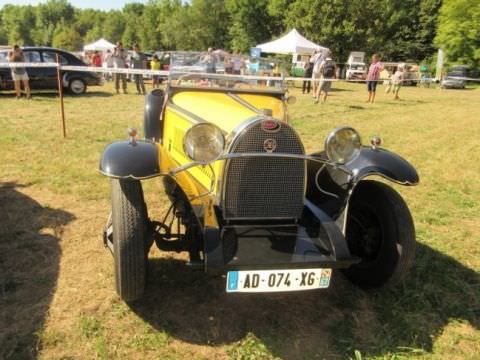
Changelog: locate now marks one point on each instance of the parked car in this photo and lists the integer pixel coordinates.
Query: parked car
(455, 78)
(246, 200)
(411, 75)
(356, 69)
(75, 82)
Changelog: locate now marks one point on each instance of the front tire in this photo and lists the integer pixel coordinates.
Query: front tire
(129, 220)
(77, 87)
(380, 231)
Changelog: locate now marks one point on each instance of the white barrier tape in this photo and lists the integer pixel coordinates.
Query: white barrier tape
(209, 75)
(115, 70)
(34, 65)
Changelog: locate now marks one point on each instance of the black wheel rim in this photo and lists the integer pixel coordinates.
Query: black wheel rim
(364, 233)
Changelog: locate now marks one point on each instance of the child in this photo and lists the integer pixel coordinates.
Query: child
(372, 77)
(397, 80)
(155, 65)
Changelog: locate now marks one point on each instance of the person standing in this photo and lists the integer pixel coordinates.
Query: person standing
(317, 59)
(19, 74)
(307, 69)
(119, 58)
(327, 71)
(237, 64)
(397, 80)
(210, 60)
(228, 64)
(138, 62)
(155, 66)
(373, 76)
(97, 59)
(108, 63)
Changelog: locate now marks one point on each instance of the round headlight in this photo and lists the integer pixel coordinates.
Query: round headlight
(204, 142)
(342, 145)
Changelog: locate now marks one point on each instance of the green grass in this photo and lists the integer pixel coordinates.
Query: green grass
(436, 315)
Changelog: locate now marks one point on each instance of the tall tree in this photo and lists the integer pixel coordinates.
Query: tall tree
(48, 16)
(66, 37)
(459, 31)
(209, 23)
(174, 25)
(251, 23)
(114, 25)
(150, 36)
(17, 22)
(133, 13)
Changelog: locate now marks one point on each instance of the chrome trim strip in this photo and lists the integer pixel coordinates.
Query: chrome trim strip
(277, 155)
(407, 183)
(244, 103)
(318, 185)
(234, 135)
(130, 176)
(182, 111)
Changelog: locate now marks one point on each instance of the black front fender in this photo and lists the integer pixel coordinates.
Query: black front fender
(124, 160)
(383, 163)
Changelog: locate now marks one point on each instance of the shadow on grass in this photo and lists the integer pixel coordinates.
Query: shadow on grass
(329, 323)
(29, 263)
(336, 89)
(438, 290)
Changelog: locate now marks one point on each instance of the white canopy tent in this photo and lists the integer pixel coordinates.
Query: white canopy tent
(99, 45)
(291, 43)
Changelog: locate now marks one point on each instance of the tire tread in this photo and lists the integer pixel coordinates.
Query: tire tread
(128, 216)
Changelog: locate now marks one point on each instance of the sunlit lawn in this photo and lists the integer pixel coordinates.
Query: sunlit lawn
(186, 315)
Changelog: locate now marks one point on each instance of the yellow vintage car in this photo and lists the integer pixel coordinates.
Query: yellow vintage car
(249, 203)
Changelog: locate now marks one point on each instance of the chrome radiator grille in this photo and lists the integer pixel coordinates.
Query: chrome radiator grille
(264, 187)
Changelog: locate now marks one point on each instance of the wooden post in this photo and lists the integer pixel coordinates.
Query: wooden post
(60, 92)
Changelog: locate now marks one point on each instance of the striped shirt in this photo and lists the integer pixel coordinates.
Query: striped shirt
(374, 71)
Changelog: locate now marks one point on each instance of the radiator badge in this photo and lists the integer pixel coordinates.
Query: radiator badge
(270, 125)
(270, 145)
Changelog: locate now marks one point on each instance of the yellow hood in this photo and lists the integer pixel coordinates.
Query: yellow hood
(226, 110)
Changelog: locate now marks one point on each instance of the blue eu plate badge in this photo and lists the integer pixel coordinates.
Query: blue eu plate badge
(232, 281)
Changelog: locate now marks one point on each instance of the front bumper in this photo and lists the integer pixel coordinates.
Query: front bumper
(315, 241)
(453, 84)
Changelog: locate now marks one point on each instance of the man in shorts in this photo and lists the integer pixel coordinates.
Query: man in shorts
(19, 73)
(373, 76)
(327, 73)
(316, 60)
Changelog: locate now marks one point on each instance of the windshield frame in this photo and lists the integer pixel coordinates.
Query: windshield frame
(189, 70)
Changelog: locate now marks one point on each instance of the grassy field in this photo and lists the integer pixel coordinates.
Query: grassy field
(57, 297)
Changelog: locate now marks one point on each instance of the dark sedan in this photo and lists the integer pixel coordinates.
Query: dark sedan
(75, 82)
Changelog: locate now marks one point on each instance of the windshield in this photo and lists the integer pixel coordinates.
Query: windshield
(220, 69)
(457, 73)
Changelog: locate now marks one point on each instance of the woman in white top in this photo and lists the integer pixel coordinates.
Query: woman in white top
(19, 73)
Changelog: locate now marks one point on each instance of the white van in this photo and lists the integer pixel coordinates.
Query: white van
(356, 67)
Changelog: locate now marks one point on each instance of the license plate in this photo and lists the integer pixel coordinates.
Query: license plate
(278, 280)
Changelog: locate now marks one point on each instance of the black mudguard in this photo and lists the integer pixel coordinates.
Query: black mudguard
(125, 160)
(152, 122)
(383, 163)
(329, 188)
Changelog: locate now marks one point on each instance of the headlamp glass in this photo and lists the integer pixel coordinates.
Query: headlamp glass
(204, 142)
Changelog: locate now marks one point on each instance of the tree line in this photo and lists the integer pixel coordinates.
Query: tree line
(400, 30)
